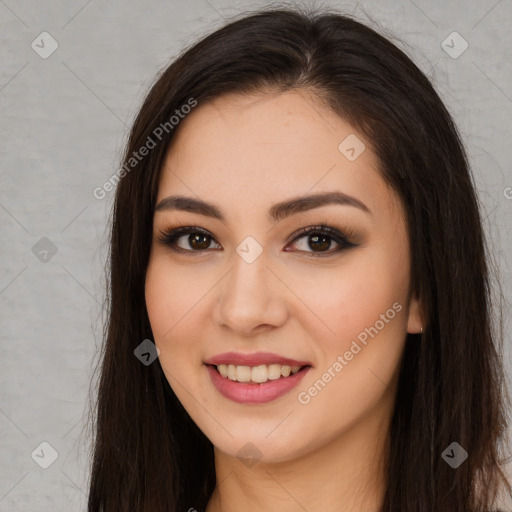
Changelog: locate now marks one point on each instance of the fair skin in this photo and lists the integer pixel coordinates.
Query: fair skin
(244, 154)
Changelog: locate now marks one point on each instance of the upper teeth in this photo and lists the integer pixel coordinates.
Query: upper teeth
(257, 374)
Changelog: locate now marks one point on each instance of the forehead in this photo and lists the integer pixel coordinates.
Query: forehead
(259, 149)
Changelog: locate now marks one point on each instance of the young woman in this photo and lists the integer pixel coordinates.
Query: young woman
(296, 236)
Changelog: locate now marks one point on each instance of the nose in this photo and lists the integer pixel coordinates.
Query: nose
(251, 298)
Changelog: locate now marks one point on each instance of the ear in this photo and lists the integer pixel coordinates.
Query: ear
(415, 321)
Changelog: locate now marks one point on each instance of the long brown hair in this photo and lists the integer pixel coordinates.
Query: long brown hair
(147, 453)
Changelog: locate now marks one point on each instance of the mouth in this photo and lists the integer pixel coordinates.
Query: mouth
(257, 374)
(255, 378)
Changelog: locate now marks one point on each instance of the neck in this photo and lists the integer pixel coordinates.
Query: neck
(346, 474)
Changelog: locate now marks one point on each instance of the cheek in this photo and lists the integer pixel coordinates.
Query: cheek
(359, 314)
(173, 294)
(339, 302)
(171, 301)
(358, 370)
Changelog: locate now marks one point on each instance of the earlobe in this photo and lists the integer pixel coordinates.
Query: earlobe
(415, 321)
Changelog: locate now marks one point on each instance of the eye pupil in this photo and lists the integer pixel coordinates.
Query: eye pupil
(193, 238)
(316, 238)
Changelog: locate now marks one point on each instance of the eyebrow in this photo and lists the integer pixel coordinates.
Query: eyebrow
(276, 213)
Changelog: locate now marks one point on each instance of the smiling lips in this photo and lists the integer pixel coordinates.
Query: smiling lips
(256, 374)
(255, 378)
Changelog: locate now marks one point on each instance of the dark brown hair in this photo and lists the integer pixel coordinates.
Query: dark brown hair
(148, 455)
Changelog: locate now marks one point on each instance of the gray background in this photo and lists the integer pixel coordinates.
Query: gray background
(64, 120)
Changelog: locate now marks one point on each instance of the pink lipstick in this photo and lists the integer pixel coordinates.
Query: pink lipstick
(255, 378)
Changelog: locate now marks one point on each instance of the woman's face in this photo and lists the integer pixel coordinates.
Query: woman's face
(308, 328)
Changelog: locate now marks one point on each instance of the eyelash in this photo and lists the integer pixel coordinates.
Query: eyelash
(169, 237)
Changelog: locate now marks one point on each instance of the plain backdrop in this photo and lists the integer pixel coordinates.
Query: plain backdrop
(64, 119)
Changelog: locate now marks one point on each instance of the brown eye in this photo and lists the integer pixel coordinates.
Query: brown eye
(318, 240)
(198, 240)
